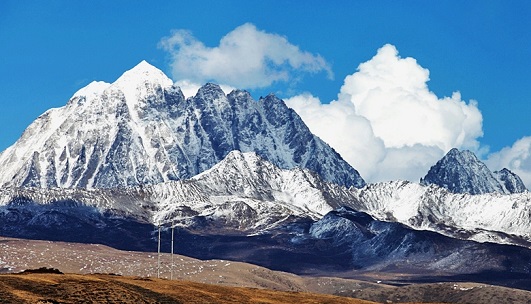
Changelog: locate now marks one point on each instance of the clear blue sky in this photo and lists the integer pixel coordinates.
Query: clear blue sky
(50, 49)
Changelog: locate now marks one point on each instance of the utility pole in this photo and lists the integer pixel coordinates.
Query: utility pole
(158, 257)
(171, 271)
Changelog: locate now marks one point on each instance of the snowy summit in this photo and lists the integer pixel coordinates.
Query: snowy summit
(141, 130)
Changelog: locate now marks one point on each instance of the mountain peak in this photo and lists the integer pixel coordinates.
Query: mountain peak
(140, 74)
(510, 181)
(463, 157)
(140, 78)
(144, 72)
(94, 88)
(141, 130)
(210, 91)
(462, 172)
(237, 161)
(143, 67)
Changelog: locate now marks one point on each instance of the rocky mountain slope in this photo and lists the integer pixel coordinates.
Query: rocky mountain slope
(510, 181)
(243, 193)
(462, 172)
(141, 130)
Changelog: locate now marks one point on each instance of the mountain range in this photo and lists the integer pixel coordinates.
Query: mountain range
(246, 180)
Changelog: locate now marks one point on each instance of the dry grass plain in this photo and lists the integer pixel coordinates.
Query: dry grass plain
(75, 288)
(89, 266)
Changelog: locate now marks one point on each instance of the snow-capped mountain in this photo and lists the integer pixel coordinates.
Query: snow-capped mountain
(509, 181)
(371, 244)
(141, 130)
(462, 172)
(245, 180)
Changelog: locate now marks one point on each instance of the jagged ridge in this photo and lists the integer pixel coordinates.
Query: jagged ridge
(141, 130)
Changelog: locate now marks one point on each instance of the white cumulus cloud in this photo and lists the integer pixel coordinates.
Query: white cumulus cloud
(387, 123)
(392, 93)
(245, 58)
(516, 158)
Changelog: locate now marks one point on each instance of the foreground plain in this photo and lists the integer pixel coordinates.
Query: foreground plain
(75, 288)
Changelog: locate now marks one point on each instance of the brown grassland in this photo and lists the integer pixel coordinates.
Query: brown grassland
(75, 288)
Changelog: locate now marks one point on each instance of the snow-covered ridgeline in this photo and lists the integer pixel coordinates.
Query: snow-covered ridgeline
(254, 195)
(245, 178)
(244, 188)
(462, 172)
(477, 217)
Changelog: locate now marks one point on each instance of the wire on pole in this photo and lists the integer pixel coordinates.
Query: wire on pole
(158, 256)
(172, 264)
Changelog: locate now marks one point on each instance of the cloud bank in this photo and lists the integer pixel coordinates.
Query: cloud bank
(246, 58)
(387, 123)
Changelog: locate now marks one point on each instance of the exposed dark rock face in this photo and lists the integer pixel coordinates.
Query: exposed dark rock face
(462, 172)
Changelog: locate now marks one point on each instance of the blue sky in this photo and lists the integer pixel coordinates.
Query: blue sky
(482, 49)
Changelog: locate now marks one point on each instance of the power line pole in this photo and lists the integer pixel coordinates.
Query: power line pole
(158, 257)
(172, 229)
